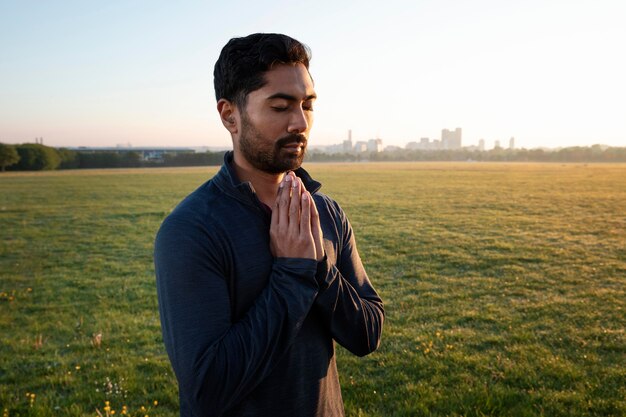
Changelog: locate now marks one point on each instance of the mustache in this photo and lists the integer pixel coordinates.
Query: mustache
(291, 138)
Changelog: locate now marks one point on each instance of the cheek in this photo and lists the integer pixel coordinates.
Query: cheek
(265, 123)
(273, 124)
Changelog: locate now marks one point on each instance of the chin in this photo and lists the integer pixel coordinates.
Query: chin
(293, 160)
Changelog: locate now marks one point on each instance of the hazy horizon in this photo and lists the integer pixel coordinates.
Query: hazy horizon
(215, 148)
(549, 74)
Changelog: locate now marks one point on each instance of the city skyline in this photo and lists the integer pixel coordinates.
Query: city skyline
(449, 140)
(547, 73)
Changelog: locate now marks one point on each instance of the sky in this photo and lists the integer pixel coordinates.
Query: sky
(548, 72)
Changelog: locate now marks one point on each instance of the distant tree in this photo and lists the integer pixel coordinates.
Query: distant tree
(36, 157)
(8, 156)
(325, 157)
(614, 155)
(98, 160)
(130, 159)
(68, 158)
(193, 159)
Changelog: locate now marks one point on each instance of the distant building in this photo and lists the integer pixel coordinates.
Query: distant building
(481, 145)
(451, 139)
(496, 145)
(375, 145)
(512, 143)
(347, 144)
(424, 145)
(360, 146)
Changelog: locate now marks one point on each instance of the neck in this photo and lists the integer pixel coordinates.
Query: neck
(265, 184)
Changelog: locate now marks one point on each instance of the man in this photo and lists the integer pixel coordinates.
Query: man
(257, 272)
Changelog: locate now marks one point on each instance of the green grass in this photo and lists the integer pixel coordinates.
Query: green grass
(504, 287)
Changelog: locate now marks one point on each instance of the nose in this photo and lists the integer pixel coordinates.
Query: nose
(299, 122)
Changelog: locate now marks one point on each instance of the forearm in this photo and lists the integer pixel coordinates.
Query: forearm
(354, 313)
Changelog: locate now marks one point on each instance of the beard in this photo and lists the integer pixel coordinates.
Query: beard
(266, 156)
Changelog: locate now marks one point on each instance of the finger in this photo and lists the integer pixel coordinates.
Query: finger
(305, 216)
(302, 184)
(315, 216)
(294, 207)
(301, 187)
(316, 230)
(283, 201)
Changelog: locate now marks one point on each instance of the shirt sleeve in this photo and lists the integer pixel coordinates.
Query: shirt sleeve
(347, 300)
(218, 362)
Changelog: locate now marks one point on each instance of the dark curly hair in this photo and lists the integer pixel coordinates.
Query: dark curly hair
(243, 62)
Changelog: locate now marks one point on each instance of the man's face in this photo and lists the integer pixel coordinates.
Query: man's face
(276, 121)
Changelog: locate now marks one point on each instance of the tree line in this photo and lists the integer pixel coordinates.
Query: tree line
(36, 157)
(595, 153)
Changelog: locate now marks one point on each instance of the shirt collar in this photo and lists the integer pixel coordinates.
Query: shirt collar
(227, 180)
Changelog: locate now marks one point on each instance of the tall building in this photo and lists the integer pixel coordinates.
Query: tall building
(375, 145)
(347, 144)
(481, 145)
(360, 146)
(496, 145)
(451, 139)
(512, 143)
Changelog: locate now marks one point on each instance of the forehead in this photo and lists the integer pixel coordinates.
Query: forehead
(293, 80)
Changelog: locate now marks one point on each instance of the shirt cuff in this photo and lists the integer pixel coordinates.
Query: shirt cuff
(301, 267)
(322, 274)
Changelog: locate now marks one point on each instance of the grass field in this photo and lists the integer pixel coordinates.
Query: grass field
(504, 287)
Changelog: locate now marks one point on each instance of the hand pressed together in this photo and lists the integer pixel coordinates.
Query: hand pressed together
(295, 230)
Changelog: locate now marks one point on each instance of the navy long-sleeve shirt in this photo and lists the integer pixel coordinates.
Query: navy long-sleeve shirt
(249, 334)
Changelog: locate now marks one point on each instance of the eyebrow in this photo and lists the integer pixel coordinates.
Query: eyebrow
(289, 97)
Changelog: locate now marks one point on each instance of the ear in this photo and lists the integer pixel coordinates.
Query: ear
(229, 114)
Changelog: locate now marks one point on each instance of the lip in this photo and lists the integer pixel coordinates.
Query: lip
(293, 146)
